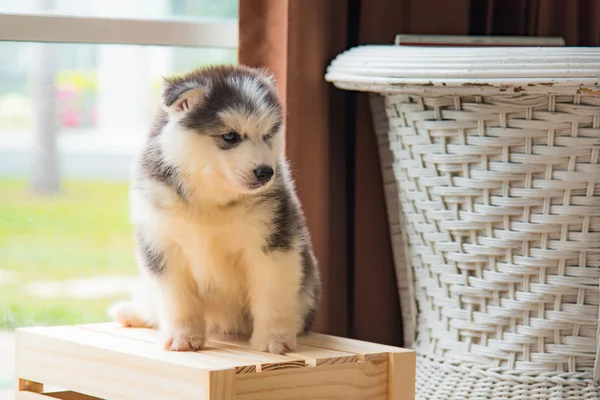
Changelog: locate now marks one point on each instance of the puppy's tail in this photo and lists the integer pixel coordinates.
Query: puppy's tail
(128, 314)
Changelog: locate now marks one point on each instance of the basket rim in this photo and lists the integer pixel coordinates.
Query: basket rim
(402, 69)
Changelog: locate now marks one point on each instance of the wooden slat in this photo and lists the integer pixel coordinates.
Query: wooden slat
(141, 334)
(315, 356)
(31, 396)
(311, 355)
(71, 396)
(402, 376)
(24, 395)
(365, 350)
(279, 365)
(111, 362)
(245, 360)
(31, 386)
(126, 346)
(222, 385)
(361, 380)
(110, 367)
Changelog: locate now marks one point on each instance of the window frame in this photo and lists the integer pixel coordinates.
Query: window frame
(217, 33)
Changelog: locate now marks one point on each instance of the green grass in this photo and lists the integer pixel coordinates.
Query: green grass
(83, 232)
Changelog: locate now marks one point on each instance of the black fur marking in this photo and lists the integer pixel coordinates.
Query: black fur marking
(308, 265)
(222, 93)
(222, 96)
(276, 128)
(154, 166)
(154, 260)
(309, 319)
(311, 284)
(224, 145)
(287, 222)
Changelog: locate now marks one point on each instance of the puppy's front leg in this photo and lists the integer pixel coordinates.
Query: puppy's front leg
(181, 312)
(274, 281)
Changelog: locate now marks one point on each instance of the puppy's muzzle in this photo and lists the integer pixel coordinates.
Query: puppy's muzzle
(263, 174)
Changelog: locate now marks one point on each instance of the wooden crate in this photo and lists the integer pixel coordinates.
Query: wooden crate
(109, 362)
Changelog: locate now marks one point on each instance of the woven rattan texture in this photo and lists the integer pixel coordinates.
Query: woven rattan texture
(445, 381)
(500, 198)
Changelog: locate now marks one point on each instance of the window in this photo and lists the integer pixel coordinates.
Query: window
(148, 9)
(73, 114)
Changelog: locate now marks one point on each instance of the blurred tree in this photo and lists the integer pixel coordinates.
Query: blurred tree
(45, 179)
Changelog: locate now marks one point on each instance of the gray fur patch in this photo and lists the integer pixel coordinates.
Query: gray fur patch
(308, 266)
(222, 93)
(174, 88)
(154, 260)
(287, 223)
(309, 320)
(276, 128)
(153, 165)
(311, 285)
(274, 131)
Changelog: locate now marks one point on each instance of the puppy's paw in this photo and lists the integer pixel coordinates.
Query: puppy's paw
(276, 344)
(184, 339)
(127, 314)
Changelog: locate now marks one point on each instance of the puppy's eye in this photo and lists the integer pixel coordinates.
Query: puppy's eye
(267, 137)
(231, 137)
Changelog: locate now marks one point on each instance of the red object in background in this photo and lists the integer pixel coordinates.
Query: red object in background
(67, 107)
(70, 118)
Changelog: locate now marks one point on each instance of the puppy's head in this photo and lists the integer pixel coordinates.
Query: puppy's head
(224, 126)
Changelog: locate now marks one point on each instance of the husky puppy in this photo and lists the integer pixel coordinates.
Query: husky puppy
(222, 243)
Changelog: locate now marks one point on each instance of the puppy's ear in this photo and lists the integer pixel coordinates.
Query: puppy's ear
(262, 74)
(180, 96)
(185, 102)
(268, 77)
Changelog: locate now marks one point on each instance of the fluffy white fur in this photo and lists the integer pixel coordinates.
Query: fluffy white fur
(216, 262)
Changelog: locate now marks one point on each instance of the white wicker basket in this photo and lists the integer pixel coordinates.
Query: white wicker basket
(493, 156)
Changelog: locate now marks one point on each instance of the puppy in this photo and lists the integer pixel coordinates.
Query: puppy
(222, 243)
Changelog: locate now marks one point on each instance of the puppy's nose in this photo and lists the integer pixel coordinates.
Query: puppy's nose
(264, 173)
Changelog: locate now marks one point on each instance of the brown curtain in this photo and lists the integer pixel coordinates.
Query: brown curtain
(329, 136)
(574, 20)
(308, 35)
